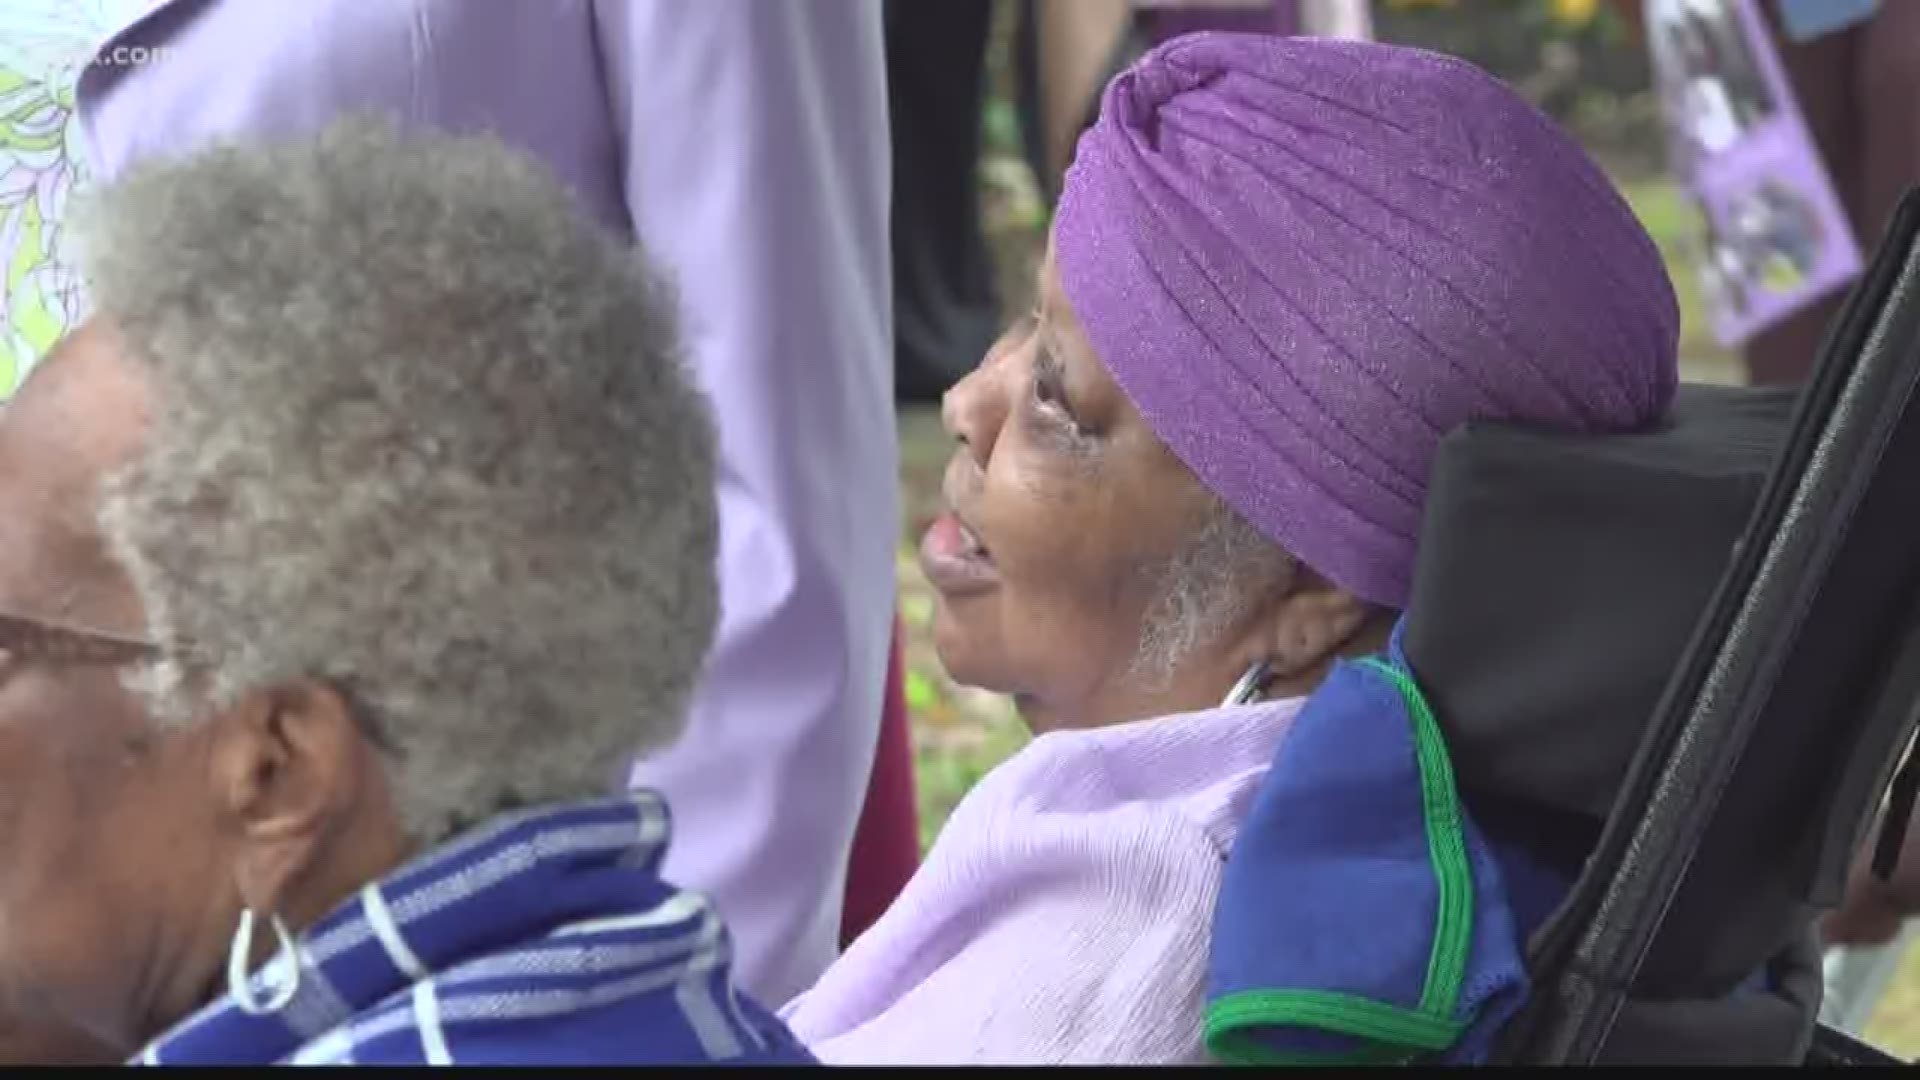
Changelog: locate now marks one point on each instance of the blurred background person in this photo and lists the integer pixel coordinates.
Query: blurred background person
(1854, 68)
(946, 306)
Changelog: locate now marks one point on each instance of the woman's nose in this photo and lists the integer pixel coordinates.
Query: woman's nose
(976, 407)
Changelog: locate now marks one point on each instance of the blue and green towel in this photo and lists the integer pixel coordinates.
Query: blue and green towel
(1364, 917)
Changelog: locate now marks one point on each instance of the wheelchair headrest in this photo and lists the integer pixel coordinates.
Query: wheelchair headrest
(1560, 578)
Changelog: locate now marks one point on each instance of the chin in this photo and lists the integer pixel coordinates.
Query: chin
(968, 657)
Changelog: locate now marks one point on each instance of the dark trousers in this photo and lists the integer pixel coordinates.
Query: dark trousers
(1859, 90)
(946, 308)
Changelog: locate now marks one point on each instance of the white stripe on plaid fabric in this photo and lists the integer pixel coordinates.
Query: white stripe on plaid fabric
(333, 1048)
(695, 997)
(679, 907)
(465, 882)
(426, 1014)
(643, 980)
(374, 907)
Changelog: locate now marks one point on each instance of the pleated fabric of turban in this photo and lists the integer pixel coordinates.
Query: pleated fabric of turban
(1306, 260)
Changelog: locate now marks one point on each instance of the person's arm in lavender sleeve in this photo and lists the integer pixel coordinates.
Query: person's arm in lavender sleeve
(757, 170)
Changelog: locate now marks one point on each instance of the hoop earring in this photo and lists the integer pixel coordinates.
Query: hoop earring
(1248, 689)
(240, 985)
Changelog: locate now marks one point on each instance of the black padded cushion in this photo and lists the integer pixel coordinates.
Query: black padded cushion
(1560, 578)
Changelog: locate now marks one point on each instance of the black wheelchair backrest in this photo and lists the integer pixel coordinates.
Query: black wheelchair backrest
(1698, 649)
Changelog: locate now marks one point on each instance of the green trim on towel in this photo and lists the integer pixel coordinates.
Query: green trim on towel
(1396, 1033)
(1393, 1033)
(1446, 846)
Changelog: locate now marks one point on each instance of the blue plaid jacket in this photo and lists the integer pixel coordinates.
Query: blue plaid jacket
(543, 938)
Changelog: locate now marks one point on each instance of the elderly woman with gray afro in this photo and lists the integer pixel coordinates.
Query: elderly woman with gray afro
(345, 555)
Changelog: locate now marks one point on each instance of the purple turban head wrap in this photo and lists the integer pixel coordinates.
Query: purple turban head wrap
(1306, 260)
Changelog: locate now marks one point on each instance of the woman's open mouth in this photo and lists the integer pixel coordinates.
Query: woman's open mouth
(954, 559)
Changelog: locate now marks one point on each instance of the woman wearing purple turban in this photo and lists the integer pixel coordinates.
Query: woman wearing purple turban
(1281, 270)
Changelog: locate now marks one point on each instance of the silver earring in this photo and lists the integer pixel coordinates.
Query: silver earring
(240, 986)
(1250, 685)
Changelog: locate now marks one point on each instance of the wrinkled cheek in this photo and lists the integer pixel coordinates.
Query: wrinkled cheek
(66, 937)
(57, 938)
(34, 823)
(1046, 477)
(29, 1036)
(1071, 616)
(44, 946)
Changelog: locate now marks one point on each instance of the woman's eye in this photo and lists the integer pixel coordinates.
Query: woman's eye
(1049, 380)
(1046, 391)
(1052, 411)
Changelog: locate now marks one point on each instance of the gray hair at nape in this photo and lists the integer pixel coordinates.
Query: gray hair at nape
(1213, 583)
(424, 433)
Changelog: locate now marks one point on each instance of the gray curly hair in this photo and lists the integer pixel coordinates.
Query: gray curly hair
(423, 433)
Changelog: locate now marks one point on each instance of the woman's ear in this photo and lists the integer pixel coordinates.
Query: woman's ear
(1313, 624)
(288, 770)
